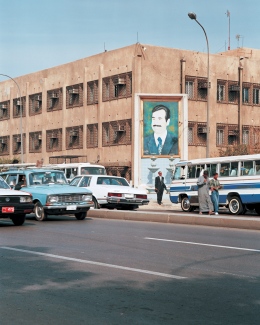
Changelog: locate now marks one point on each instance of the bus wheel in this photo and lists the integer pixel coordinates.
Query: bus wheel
(235, 205)
(257, 209)
(185, 205)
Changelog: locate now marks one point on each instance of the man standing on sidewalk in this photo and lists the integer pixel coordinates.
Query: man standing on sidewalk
(159, 187)
(215, 187)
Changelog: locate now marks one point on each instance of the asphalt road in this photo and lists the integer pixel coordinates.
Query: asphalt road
(99, 271)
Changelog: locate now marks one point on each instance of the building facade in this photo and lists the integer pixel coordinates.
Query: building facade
(83, 110)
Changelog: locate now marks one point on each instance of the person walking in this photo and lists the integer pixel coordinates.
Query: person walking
(159, 187)
(215, 187)
(205, 203)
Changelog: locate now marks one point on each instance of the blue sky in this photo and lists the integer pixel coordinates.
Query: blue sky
(40, 34)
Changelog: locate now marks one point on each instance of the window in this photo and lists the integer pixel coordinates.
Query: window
(4, 145)
(220, 93)
(54, 140)
(202, 133)
(92, 92)
(233, 134)
(116, 132)
(54, 100)
(220, 137)
(233, 92)
(35, 104)
(117, 86)
(35, 142)
(17, 143)
(245, 137)
(92, 135)
(74, 137)
(74, 96)
(202, 89)
(189, 88)
(245, 95)
(256, 93)
(190, 135)
(19, 106)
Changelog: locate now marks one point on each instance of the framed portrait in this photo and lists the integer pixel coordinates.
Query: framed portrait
(160, 128)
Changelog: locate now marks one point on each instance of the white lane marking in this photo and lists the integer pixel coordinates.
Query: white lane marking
(201, 244)
(96, 263)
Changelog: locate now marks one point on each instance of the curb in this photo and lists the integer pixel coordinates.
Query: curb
(178, 217)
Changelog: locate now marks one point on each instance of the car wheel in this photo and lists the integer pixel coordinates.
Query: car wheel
(18, 220)
(40, 214)
(235, 205)
(96, 205)
(81, 215)
(185, 205)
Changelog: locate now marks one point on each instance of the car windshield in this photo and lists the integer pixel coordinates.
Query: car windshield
(50, 177)
(3, 184)
(112, 181)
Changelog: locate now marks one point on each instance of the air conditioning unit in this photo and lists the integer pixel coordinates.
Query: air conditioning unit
(54, 95)
(120, 128)
(53, 136)
(202, 130)
(39, 137)
(3, 106)
(18, 103)
(234, 88)
(38, 98)
(2, 141)
(73, 133)
(18, 139)
(74, 91)
(202, 85)
(120, 81)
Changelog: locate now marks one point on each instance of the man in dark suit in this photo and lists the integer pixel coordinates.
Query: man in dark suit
(159, 187)
(161, 142)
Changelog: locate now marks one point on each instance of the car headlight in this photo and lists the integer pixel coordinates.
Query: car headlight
(53, 199)
(25, 199)
(87, 197)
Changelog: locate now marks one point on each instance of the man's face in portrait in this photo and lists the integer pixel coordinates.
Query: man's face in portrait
(159, 123)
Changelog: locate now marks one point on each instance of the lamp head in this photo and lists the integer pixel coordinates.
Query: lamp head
(192, 15)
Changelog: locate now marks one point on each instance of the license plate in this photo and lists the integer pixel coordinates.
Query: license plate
(129, 196)
(7, 209)
(71, 207)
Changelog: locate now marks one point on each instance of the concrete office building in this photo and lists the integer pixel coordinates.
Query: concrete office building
(83, 110)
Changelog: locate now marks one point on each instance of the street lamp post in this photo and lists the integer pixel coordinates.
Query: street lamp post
(193, 16)
(21, 113)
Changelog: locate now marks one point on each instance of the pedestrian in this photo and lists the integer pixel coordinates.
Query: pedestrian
(215, 187)
(159, 187)
(205, 204)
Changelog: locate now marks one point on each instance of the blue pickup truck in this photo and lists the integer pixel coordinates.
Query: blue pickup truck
(51, 193)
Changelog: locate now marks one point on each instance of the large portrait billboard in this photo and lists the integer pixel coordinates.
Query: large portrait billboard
(160, 128)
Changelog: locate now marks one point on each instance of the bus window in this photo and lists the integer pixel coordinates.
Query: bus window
(199, 169)
(224, 170)
(212, 169)
(247, 168)
(191, 171)
(257, 167)
(233, 169)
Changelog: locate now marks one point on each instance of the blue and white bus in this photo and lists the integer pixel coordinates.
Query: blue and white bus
(239, 176)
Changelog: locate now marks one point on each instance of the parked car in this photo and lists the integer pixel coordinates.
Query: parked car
(14, 204)
(51, 192)
(111, 192)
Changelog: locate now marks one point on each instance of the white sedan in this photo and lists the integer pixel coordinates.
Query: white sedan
(111, 192)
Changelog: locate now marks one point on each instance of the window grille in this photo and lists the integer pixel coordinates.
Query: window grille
(74, 96)
(221, 91)
(35, 104)
(233, 92)
(17, 143)
(189, 88)
(54, 140)
(92, 135)
(74, 137)
(116, 132)
(35, 142)
(19, 107)
(4, 145)
(92, 92)
(202, 90)
(117, 86)
(256, 94)
(5, 110)
(54, 100)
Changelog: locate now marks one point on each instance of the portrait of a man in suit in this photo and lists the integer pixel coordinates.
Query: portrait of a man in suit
(162, 139)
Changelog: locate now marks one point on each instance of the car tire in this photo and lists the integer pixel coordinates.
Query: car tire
(96, 205)
(235, 205)
(185, 204)
(40, 214)
(18, 220)
(81, 215)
